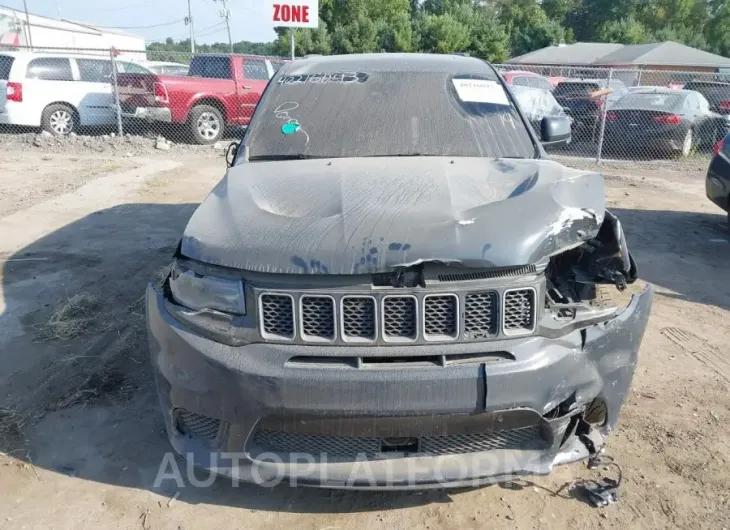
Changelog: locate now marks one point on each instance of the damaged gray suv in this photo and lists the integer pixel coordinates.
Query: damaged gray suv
(394, 287)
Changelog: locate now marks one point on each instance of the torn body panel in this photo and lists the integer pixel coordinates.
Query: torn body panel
(370, 215)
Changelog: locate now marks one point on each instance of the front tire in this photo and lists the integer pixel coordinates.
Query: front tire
(206, 124)
(59, 119)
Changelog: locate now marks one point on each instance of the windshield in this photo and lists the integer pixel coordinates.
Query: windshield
(536, 103)
(637, 100)
(575, 88)
(715, 93)
(387, 113)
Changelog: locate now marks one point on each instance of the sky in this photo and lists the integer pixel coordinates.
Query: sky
(138, 17)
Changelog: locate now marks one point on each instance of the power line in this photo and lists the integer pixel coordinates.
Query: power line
(225, 14)
(96, 8)
(215, 28)
(148, 27)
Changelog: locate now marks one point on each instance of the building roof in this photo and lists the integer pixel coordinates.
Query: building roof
(580, 53)
(664, 53)
(607, 54)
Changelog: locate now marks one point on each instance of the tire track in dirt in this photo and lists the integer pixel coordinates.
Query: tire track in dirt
(700, 349)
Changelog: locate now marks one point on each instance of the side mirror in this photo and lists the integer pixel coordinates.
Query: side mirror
(555, 130)
(231, 152)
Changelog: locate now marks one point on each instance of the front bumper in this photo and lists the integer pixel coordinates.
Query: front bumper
(544, 387)
(163, 114)
(717, 183)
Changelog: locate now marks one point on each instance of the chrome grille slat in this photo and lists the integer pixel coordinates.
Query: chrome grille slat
(441, 316)
(400, 320)
(481, 318)
(386, 318)
(277, 315)
(518, 314)
(317, 317)
(359, 318)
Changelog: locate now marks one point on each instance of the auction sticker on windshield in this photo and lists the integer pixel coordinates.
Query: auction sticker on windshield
(480, 91)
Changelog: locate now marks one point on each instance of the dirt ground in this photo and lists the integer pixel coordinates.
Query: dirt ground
(82, 437)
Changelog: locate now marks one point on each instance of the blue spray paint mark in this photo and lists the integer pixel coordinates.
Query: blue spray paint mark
(299, 262)
(399, 246)
(524, 186)
(290, 128)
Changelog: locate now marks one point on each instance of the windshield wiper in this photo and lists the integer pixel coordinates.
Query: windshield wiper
(284, 157)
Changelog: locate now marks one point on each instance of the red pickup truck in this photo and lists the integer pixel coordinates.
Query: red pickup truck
(219, 90)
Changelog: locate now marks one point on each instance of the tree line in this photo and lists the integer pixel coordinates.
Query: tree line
(493, 29)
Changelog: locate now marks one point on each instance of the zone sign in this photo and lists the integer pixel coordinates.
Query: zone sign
(294, 13)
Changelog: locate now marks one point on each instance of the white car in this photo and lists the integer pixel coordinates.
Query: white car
(56, 92)
(153, 67)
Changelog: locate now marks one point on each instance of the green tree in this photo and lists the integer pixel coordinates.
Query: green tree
(443, 34)
(357, 36)
(624, 31)
(396, 36)
(718, 27)
(488, 38)
(306, 41)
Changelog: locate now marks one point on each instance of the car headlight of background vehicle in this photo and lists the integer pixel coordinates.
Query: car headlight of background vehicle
(197, 291)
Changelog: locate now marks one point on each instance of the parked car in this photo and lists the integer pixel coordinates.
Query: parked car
(527, 79)
(662, 119)
(537, 104)
(578, 98)
(391, 273)
(555, 80)
(717, 183)
(717, 94)
(56, 92)
(153, 67)
(219, 90)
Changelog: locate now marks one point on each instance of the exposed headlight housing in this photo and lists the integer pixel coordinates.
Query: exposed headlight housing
(197, 291)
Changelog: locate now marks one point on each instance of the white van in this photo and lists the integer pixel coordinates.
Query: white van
(56, 92)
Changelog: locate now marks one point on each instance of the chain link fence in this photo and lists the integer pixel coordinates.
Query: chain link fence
(631, 114)
(175, 96)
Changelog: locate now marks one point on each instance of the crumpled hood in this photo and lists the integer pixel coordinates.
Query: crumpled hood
(365, 215)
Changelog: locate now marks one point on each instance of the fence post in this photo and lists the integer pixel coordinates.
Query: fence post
(604, 108)
(115, 88)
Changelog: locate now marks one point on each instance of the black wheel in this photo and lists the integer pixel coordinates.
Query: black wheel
(206, 124)
(59, 119)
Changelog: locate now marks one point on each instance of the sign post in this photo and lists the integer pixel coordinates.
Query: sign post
(293, 14)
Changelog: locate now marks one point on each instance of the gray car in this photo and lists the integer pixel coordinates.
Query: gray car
(394, 287)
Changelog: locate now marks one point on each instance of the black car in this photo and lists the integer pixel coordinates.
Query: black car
(662, 120)
(717, 184)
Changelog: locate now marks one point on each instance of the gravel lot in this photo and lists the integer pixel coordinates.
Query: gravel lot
(85, 227)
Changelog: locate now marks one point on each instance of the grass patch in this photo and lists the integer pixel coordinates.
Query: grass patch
(74, 317)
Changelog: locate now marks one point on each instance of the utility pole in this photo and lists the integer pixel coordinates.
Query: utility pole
(27, 24)
(189, 22)
(225, 14)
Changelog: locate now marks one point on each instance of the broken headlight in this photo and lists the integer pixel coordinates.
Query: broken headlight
(197, 291)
